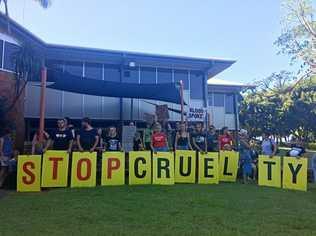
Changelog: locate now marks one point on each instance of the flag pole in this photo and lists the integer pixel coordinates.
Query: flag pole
(182, 101)
(42, 104)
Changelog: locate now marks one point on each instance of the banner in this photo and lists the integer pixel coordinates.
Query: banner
(208, 168)
(196, 114)
(295, 173)
(228, 166)
(139, 167)
(83, 169)
(269, 171)
(55, 169)
(163, 168)
(29, 173)
(185, 162)
(113, 168)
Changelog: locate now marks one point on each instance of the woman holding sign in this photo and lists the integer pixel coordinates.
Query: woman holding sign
(182, 139)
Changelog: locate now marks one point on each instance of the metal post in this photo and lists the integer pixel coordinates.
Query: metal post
(42, 103)
(182, 101)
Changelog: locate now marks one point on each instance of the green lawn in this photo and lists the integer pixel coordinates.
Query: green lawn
(225, 209)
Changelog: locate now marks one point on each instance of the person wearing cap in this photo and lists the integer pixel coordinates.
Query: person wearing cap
(245, 157)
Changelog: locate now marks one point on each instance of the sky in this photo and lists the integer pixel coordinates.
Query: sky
(243, 30)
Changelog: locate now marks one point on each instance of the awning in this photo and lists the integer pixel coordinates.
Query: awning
(167, 92)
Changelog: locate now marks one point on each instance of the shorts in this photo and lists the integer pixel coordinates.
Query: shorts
(160, 149)
(4, 161)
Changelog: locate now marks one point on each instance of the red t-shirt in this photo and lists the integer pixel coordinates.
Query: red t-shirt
(225, 139)
(159, 140)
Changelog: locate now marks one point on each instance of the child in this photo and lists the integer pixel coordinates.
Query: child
(159, 141)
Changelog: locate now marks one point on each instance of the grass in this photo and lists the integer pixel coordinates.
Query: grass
(225, 209)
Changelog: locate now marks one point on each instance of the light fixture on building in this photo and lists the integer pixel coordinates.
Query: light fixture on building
(132, 64)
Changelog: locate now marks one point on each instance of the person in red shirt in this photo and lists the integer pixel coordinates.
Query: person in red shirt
(225, 141)
(159, 141)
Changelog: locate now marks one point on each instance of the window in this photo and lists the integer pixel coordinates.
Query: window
(74, 68)
(1, 51)
(131, 75)
(54, 65)
(218, 99)
(182, 75)
(10, 53)
(112, 73)
(164, 76)
(210, 99)
(147, 75)
(196, 85)
(93, 71)
(229, 104)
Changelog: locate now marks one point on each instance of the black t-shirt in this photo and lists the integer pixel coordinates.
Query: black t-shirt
(61, 139)
(212, 142)
(87, 138)
(199, 139)
(112, 143)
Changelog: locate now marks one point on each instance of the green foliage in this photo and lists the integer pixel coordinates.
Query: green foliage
(312, 146)
(277, 107)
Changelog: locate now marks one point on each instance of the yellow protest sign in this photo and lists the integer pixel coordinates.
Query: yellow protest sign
(269, 171)
(55, 169)
(208, 168)
(139, 167)
(163, 168)
(29, 173)
(185, 162)
(228, 165)
(113, 168)
(83, 169)
(295, 173)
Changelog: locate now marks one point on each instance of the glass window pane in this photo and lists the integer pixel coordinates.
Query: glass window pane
(229, 104)
(210, 99)
(218, 99)
(131, 75)
(164, 76)
(112, 73)
(196, 85)
(147, 75)
(93, 70)
(182, 75)
(74, 68)
(1, 50)
(10, 53)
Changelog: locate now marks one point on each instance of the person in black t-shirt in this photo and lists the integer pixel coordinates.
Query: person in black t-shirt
(112, 142)
(61, 138)
(87, 137)
(199, 138)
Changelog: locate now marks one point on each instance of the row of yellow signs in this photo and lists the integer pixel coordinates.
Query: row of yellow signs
(162, 168)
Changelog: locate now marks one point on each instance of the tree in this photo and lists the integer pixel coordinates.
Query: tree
(274, 107)
(43, 3)
(298, 37)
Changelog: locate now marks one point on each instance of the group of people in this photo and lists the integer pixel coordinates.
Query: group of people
(156, 137)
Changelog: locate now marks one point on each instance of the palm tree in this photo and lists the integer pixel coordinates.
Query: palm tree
(43, 3)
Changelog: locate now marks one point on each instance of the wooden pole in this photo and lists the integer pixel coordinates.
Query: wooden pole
(182, 101)
(42, 103)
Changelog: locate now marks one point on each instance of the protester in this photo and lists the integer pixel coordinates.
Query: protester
(147, 136)
(87, 138)
(6, 153)
(244, 153)
(70, 126)
(112, 142)
(137, 142)
(159, 140)
(212, 139)
(225, 141)
(254, 156)
(268, 145)
(182, 139)
(37, 145)
(297, 148)
(199, 138)
(61, 138)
